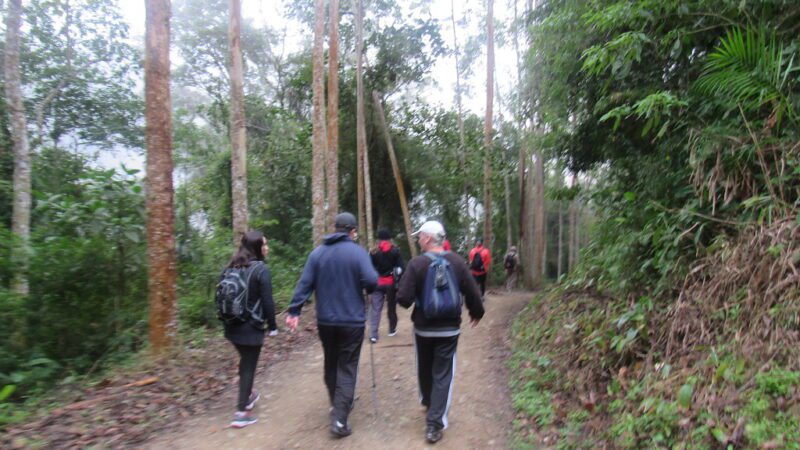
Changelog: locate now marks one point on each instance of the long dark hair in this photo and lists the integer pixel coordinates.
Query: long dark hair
(251, 248)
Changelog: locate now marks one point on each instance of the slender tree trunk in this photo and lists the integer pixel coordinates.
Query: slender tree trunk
(361, 130)
(538, 220)
(462, 146)
(319, 138)
(509, 241)
(572, 226)
(528, 250)
(332, 167)
(162, 271)
(487, 127)
(237, 124)
(560, 251)
(21, 208)
(401, 192)
(368, 199)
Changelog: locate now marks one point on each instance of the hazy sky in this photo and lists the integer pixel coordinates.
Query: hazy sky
(271, 12)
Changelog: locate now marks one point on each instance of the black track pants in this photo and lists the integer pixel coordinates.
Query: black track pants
(248, 360)
(391, 308)
(342, 348)
(481, 280)
(436, 369)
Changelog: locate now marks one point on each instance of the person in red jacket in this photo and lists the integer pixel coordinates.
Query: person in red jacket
(479, 260)
(388, 262)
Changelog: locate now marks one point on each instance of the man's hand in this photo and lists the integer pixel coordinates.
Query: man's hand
(473, 321)
(292, 322)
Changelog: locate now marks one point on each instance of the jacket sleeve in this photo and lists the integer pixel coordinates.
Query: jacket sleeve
(398, 262)
(305, 286)
(369, 277)
(407, 289)
(487, 258)
(267, 302)
(472, 293)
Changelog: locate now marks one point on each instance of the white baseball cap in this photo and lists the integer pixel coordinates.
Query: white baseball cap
(432, 228)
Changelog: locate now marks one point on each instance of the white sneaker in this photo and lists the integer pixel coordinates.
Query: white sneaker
(392, 333)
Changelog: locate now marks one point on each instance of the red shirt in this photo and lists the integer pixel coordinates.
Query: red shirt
(485, 256)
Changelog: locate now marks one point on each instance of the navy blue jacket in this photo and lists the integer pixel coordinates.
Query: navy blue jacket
(338, 270)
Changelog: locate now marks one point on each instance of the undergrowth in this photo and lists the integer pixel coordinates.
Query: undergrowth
(587, 373)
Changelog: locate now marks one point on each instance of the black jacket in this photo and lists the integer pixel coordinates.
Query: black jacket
(385, 262)
(413, 280)
(252, 331)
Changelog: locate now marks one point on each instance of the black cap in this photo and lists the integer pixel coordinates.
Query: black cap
(479, 240)
(383, 234)
(346, 221)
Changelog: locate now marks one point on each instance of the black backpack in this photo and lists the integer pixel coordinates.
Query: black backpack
(232, 296)
(511, 262)
(477, 262)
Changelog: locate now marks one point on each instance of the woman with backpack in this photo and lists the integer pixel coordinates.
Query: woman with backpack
(244, 303)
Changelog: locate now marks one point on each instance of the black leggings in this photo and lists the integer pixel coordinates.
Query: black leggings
(481, 280)
(248, 360)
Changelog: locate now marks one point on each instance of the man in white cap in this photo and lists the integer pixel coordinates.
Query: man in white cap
(436, 337)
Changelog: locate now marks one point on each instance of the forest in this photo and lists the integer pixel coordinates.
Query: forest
(641, 155)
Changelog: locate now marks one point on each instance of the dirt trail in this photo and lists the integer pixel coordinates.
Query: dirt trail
(293, 410)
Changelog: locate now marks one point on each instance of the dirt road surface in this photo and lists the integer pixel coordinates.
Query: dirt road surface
(293, 410)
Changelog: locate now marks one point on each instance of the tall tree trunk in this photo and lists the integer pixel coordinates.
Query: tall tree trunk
(162, 271)
(560, 251)
(487, 126)
(509, 241)
(237, 124)
(368, 199)
(538, 220)
(319, 138)
(361, 130)
(401, 192)
(572, 226)
(462, 146)
(332, 166)
(21, 209)
(527, 250)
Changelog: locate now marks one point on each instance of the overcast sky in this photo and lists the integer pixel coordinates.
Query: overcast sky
(271, 12)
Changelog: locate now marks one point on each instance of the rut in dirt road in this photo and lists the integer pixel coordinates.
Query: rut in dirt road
(293, 411)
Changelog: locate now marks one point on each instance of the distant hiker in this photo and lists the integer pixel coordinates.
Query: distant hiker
(479, 260)
(388, 262)
(511, 263)
(244, 303)
(338, 270)
(434, 283)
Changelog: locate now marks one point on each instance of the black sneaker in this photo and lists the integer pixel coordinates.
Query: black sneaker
(340, 429)
(433, 435)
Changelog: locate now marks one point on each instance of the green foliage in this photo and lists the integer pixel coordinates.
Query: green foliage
(753, 68)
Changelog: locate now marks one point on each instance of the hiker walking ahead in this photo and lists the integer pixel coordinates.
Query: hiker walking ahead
(338, 270)
(244, 303)
(511, 263)
(479, 260)
(388, 263)
(434, 283)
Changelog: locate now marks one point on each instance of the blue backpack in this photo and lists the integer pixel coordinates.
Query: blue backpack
(441, 297)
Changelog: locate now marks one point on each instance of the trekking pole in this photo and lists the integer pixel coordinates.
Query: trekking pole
(374, 387)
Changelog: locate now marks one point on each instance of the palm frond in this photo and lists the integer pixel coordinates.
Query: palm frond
(752, 69)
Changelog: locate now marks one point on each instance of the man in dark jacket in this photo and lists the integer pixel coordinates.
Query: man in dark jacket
(388, 261)
(338, 270)
(436, 339)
